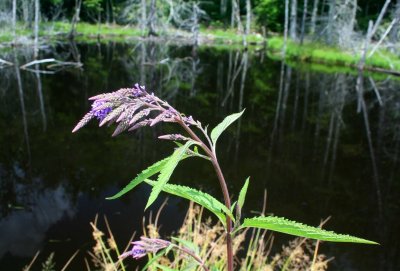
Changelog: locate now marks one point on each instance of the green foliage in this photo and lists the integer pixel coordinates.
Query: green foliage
(49, 264)
(92, 4)
(167, 170)
(147, 173)
(201, 198)
(270, 13)
(242, 194)
(318, 53)
(217, 131)
(284, 225)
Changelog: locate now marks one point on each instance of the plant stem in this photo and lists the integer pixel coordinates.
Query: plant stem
(194, 256)
(224, 188)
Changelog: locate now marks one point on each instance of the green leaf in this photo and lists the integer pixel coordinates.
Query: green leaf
(217, 131)
(242, 194)
(167, 170)
(284, 225)
(201, 198)
(147, 173)
(233, 206)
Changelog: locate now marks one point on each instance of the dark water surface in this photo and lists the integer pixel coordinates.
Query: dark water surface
(320, 143)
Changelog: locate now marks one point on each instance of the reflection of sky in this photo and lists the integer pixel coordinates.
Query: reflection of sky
(23, 232)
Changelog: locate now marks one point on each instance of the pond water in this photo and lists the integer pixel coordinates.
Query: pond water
(322, 143)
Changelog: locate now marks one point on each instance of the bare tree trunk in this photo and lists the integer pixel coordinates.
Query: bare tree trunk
(98, 22)
(14, 18)
(353, 15)
(75, 18)
(248, 16)
(195, 27)
(285, 31)
(248, 21)
(331, 19)
(236, 16)
(37, 17)
(395, 29)
(314, 17)
(394, 21)
(303, 21)
(150, 22)
(380, 17)
(26, 5)
(293, 20)
(365, 50)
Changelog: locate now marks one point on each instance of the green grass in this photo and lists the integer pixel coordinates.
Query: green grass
(219, 36)
(220, 39)
(321, 54)
(110, 32)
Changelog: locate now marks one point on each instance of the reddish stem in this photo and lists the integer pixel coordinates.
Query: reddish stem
(224, 188)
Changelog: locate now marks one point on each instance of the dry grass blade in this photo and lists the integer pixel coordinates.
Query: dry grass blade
(87, 265)
(70, 260)
(27, 268)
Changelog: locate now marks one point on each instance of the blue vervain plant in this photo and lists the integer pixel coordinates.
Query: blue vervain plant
(132, 108)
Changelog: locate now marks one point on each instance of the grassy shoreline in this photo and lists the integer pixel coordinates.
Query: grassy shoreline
(316, 53)
(310, 53)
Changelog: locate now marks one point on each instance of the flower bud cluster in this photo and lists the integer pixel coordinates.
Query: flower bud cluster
(131, 108)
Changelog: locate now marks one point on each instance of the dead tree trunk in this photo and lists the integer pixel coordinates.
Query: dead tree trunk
(380, 17)
(331, 19)
(236, 16)
(98, 22)
(285, 31)
(151, 20)
(353, 15)
(36, 31)
(314, 17)
(248, 21)
(26, 5)
(195, 25)
(14, 18)
(75, 18)
(395, 30)
(303, 21)
(293, 20)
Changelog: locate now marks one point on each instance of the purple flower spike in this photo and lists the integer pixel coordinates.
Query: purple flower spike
(144, 246)
(99, 109)
(138, 90)
(131, 108)
(136, 252)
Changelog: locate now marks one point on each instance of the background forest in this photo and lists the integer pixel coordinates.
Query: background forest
(335, 22)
